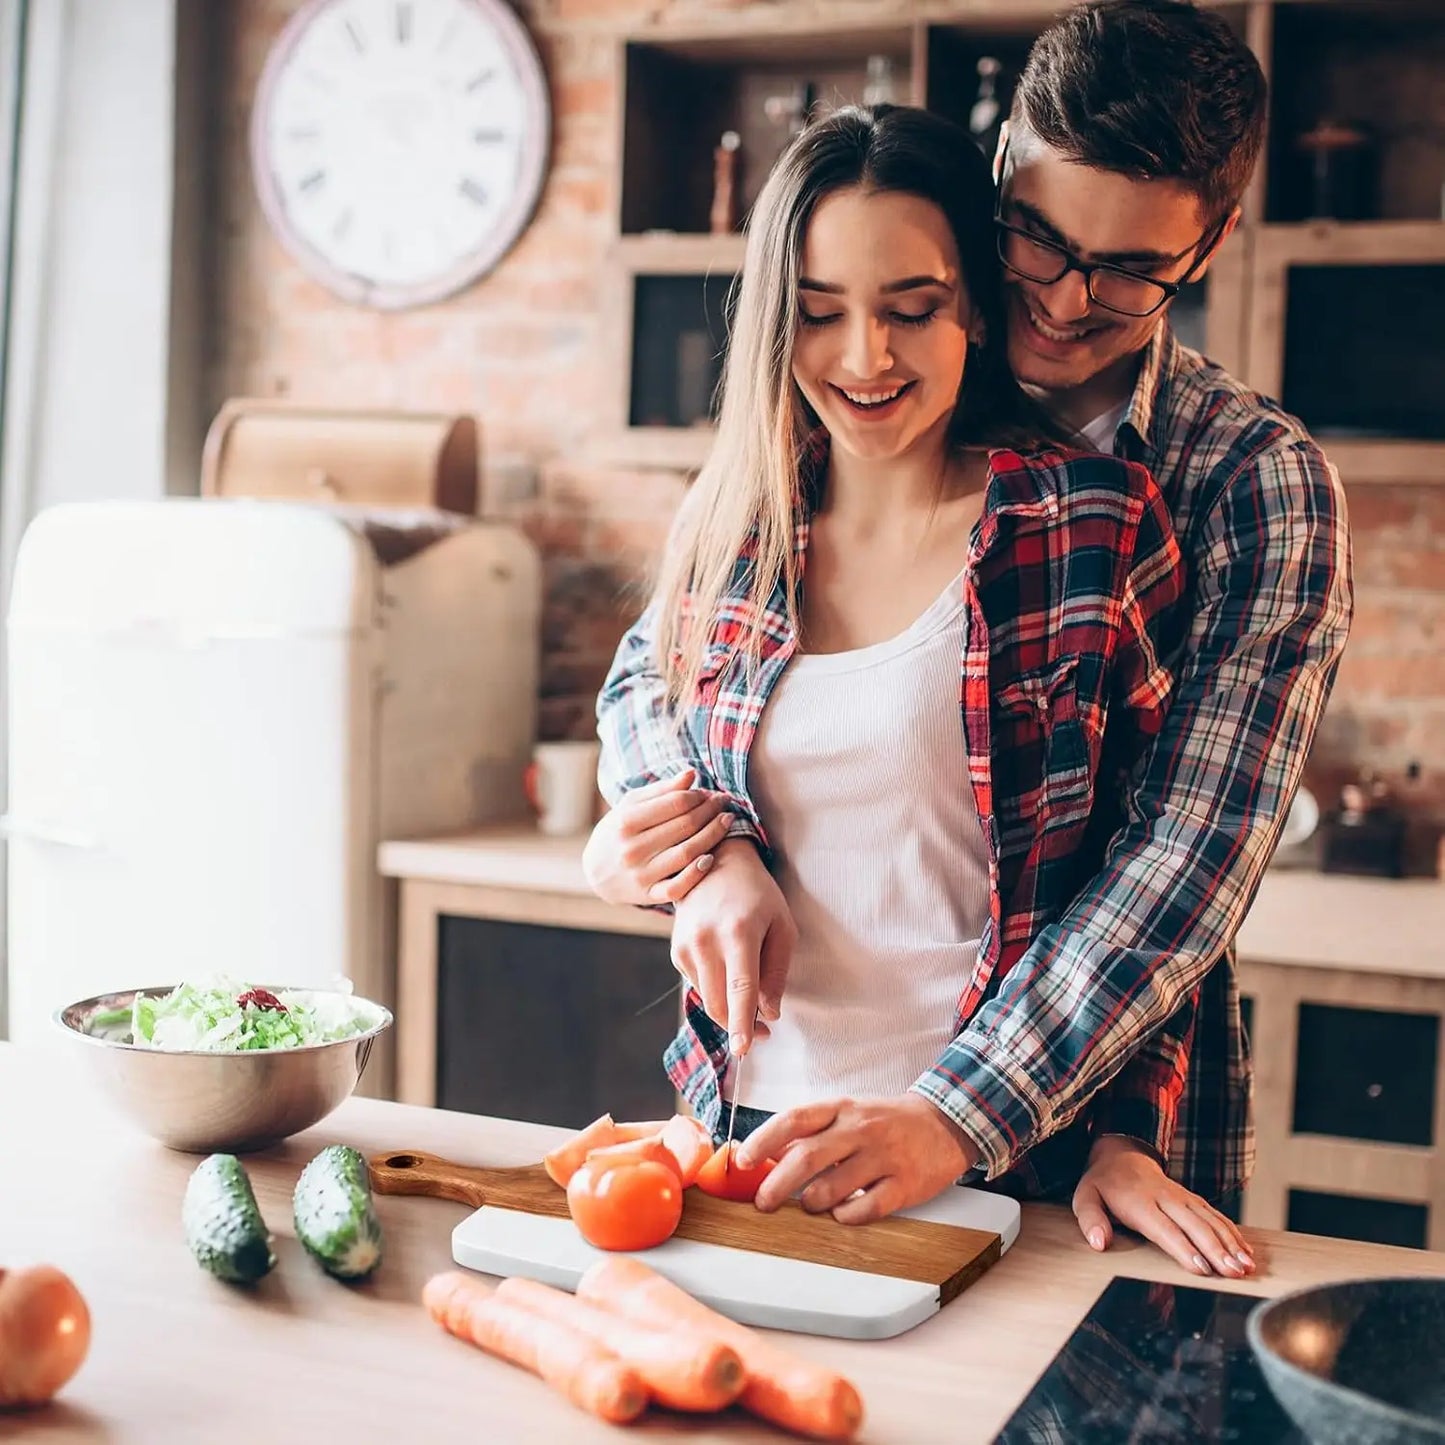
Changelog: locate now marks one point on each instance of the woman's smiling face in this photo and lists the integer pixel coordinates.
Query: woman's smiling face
(881, 337)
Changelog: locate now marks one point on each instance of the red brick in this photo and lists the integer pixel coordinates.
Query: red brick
(1400, 675)
(1383, 508)
(582, 95)
(1389, 621)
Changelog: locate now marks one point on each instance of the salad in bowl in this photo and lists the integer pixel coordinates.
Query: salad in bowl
(223, 1064)
(221, 1016)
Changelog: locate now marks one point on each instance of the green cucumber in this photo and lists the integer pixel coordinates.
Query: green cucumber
(223, 1224)
(334, 1215)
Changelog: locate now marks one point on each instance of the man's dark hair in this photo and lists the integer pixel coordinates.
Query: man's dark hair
(1158, 89)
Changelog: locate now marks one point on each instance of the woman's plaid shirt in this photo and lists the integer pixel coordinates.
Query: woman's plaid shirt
(1134, 721)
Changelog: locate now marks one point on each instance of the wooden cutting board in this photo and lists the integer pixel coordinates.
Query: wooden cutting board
(787, 1270)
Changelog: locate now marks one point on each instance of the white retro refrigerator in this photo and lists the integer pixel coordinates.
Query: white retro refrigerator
(218, 709)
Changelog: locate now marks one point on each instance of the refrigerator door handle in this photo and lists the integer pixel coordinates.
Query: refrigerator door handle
(18, 829)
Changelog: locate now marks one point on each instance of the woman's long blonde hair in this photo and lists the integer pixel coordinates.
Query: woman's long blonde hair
(751, 485)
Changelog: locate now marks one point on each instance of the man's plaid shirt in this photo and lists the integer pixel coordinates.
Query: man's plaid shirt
(1135, 722)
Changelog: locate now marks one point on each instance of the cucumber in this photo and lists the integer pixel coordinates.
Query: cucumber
(223, 1224)
(334, 1215)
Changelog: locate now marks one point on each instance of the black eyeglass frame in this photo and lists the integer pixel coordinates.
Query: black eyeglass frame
(1070, 262)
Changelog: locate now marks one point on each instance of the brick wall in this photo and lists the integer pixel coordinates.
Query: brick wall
(524, 350)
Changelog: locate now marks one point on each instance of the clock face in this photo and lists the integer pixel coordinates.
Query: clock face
(399, 146)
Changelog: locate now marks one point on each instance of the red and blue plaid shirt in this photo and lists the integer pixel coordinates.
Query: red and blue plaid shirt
(1135, 720)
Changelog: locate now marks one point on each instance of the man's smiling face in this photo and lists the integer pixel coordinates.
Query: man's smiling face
(1060, 339)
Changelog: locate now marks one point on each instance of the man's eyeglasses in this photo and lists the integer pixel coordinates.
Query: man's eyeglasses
(1115, 288)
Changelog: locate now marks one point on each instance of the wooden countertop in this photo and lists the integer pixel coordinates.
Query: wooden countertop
(177, 1356)
(1299, 917)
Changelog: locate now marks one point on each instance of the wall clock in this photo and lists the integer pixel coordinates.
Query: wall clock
(399, 146)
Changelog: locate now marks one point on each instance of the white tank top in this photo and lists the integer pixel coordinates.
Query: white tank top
(859, 776)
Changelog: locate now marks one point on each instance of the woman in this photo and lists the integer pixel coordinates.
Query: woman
(853, 873)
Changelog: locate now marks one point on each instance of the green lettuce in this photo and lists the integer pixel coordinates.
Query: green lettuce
(212, 1017)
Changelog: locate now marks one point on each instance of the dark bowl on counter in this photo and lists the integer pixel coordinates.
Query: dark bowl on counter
(1357, 1363)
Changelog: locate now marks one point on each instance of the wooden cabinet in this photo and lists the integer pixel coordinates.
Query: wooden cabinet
(1349, 1099)
(1271, 310)
(508, 966)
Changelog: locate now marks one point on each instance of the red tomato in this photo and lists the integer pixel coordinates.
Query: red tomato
(723, 1177)
(634, 1151)
(689, 1143)
(626, 1205)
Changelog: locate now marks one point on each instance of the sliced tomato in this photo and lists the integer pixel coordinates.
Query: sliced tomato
(563, 1162)
(724, 1178)
(635, 1151)
(689, 1143)
(625, 1205)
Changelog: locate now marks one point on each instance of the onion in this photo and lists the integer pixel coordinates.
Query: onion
(44, 1333)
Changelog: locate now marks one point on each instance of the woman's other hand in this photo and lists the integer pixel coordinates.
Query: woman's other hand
(657, 844)
(861, 1159)
(1125, 1182)
(732, 939)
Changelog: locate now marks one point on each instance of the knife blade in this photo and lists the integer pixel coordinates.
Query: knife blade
(733, 1111)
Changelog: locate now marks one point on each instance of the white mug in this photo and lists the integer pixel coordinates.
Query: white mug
(561, 783)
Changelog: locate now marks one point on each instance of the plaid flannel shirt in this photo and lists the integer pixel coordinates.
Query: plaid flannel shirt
(1124, 978)
(1261, 518)
(1070, 588)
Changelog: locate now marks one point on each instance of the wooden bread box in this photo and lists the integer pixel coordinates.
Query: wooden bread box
(286, 451)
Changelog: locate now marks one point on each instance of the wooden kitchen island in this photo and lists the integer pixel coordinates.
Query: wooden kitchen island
(303, 1360)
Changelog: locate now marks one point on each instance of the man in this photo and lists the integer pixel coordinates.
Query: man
(1134, 131)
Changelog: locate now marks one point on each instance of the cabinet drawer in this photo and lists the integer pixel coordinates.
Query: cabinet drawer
(1349, 1216)
(1366, 1074)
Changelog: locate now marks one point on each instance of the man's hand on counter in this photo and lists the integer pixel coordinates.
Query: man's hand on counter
(897, 1152)
(1125, 1183)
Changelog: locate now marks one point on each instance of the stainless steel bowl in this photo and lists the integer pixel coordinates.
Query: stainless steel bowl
(205, 1102)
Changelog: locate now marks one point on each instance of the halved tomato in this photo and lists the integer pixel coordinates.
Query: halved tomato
(563, 1161)
(625, 1205)
(724, 1178)
(689, 1143)
(636, 1151)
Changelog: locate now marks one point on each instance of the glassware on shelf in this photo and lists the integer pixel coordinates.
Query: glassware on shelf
(985, 116)
(878, 86)
(1342, 179)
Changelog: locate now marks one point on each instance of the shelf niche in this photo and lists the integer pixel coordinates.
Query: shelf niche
(705, 88)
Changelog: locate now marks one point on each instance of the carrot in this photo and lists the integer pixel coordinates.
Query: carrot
(684, 1370)
(782, 1387)
(592, 1377)
(566, 1159)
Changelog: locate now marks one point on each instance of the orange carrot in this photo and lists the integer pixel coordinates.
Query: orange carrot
(684, 1370)
(782, 1387)
(592, 1377)
(566, 1159)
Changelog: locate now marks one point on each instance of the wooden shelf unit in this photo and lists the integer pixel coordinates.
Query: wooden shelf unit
(1400, 332)
(685, 78)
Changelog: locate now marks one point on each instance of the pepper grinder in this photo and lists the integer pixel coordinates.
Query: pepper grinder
(723, 219)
